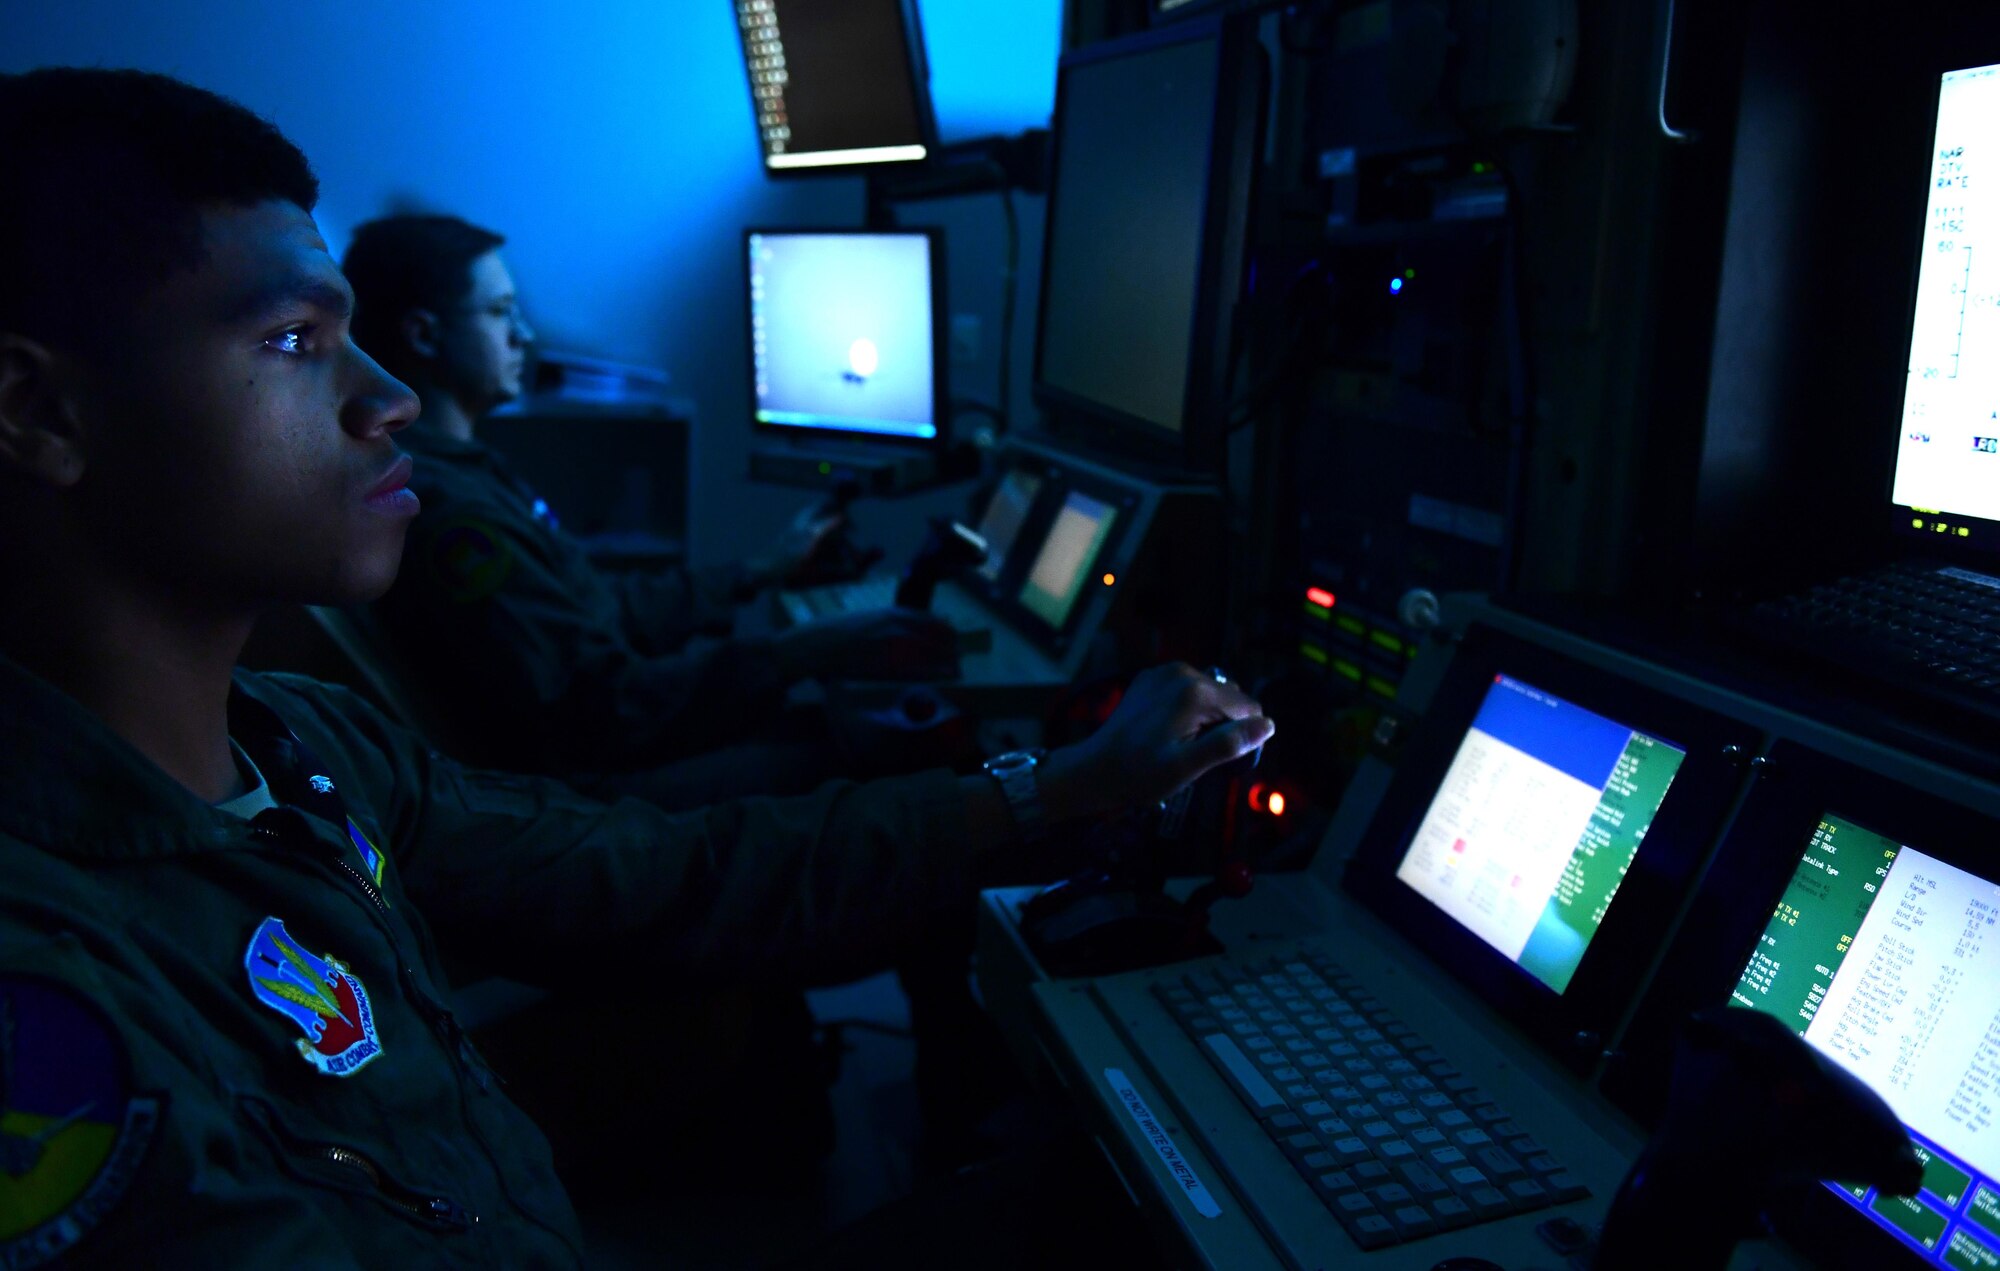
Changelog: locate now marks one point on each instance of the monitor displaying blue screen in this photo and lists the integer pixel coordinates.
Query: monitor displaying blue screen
(842, 333)
(1537, 820)
(1886, 958)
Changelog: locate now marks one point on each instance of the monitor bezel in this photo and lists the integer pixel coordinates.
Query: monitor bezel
(916, 65)
(1576, 1024)
(1797, 787)
(940, 354)
(1935, 527)
(1241, 83)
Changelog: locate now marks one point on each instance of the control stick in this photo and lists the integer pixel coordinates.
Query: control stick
(839, 558)
(948, 547)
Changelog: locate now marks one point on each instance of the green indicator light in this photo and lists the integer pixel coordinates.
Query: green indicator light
(1387, 641)
(1343, 667)
(1410, 274)
(1318, 611)
(1382, 686)
(825, 468)
(1352, 626)
(1479, 169)
(1313, 653)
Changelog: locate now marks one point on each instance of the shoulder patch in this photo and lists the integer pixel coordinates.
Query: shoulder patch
(469, 559)
(73, 1133)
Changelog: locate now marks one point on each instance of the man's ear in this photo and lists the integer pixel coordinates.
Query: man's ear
(419, 330)
(39, 435)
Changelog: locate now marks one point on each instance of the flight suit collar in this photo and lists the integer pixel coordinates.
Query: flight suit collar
(72, 786)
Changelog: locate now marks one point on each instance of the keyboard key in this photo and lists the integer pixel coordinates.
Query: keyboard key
(1389, 1195)
(1489, 1114)
(1428, 1137)
(1487, 1202)
(1497, 1163)
(1317, 1108)
(1369, 1173)
(1520, 1145)
(1253, 1037)
(1390, 1099)
(1409, 1118)
(1506, 1130)
(1526, 1193)
(1361, 1112)
(1284, 1030)
(1545, 1164)
(1435, 1099)
(1317, 1162)
(1371, 1231)
(1565, 1187)
(1241, 1074)
(1471, 1138)
(1351, 1150)
(1284, 1123)
(1446, 1158)
(1299, 1091)
(1270, 1058)
(1303, 1141)
(1333, 1128)
(1312, 1059)
(1412, 1221)
(1451, 1212)
(1452, 1118)
(1395, 1151)
(1353, 1204)
(1334, 1184)
(1285, 1076)
(1378, 1130)
(1423, 1181)
(1465, 1179)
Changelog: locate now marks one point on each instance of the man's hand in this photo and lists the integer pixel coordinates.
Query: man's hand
(882, 644)
(1174, 724)
(801, 544)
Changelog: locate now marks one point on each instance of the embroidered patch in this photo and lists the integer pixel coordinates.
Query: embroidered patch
(72, 1133)
(470, 560)
(320, 995)
(372, 859)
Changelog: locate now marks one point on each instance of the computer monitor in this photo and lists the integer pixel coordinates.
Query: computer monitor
(845, 335)
(1154, 151)
(1885, 957)
(837, 85)
(1535, 825)
(1947, 473)
(1070, 551)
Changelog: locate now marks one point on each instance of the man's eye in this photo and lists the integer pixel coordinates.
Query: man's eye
(290, 340)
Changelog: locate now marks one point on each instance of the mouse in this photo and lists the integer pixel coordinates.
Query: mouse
(1095, 924)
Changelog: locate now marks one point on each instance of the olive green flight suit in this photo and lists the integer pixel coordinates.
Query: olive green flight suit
(539, 660)
(253, 1011)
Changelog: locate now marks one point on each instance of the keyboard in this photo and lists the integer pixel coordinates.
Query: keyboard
(1938, 627)
(1395, 1141)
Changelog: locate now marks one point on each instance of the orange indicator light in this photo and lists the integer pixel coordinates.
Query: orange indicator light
(1276, 803)
(1110, 579)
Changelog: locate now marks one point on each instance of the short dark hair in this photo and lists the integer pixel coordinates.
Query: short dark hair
(400, 263)
(103, 178)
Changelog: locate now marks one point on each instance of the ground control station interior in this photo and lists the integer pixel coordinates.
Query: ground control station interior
(1191, 633)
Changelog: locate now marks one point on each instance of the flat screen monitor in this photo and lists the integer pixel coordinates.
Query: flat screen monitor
(1069, 552)
(1947, 475)
(844, 333)
(1536, 823)
(1154, 152)
(837, 84)
(1886, 958)
(1006, 512)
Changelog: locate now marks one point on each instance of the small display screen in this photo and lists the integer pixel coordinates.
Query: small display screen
(834, 85)
(1005, 514)
(1062, 569)
(1887, 960)
(1948, 441)
(841, 332)
(1538, 818)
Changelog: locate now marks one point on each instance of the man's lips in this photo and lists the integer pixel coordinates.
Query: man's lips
(392, 492)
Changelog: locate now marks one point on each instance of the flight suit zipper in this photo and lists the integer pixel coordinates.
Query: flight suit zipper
(438, 1211)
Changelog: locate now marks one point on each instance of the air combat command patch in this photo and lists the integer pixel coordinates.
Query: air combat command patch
(72, 1131)
(326, 1001)
(469, 559)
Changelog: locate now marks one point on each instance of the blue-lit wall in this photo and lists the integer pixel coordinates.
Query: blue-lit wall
(612, 142)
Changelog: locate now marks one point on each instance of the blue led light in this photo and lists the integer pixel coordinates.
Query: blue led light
(1395, 286)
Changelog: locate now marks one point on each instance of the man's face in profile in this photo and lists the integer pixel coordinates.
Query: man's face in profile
(482, 341)
(237, 444)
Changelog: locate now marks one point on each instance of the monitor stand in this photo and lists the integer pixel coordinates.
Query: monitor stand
(821, 463)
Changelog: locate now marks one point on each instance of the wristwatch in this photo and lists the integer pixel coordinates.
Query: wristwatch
(1015, 771)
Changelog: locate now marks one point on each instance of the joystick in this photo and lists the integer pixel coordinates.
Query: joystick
(947, 548)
